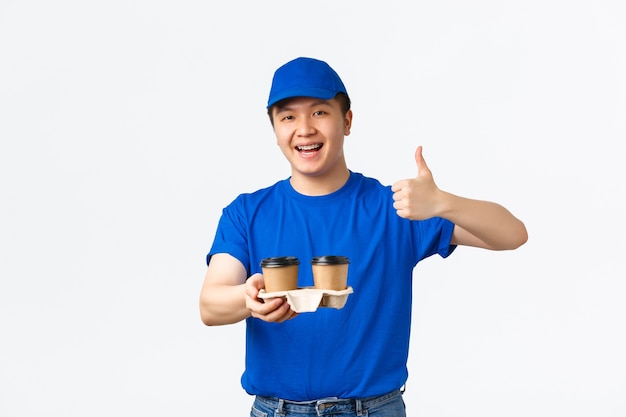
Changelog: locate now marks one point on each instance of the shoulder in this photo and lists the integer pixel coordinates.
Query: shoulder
(369, 185)
(261, 194)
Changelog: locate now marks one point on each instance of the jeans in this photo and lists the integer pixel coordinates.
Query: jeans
(388, 405)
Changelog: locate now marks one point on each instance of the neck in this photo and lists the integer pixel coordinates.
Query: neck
(320, 184)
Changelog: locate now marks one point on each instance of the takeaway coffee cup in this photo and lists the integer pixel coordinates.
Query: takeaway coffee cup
(280, 273)
(330, 272)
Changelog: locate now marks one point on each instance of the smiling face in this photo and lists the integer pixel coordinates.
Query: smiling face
(310, 133)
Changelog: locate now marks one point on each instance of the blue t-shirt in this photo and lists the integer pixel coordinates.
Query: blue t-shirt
(360, 350)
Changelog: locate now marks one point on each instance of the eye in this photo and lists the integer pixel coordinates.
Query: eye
(287, 118)
(319, 113)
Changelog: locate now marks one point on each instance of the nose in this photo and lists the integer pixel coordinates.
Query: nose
(305, 127)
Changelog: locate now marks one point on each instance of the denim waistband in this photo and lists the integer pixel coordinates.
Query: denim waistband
(319, 406)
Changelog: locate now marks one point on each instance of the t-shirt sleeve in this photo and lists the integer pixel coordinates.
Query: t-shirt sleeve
(231, 236)
(434, 237)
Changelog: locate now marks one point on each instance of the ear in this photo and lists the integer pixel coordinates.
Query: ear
(347, 123)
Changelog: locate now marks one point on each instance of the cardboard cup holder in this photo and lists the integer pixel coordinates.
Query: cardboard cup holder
(309, 299)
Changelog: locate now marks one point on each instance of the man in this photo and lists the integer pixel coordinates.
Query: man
(349, 360)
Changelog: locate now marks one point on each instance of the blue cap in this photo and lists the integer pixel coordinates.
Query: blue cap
(305, 77)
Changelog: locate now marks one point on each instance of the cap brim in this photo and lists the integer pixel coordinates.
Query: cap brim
(320, 93)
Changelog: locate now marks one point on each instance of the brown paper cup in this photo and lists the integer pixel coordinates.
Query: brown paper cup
(330, 272)
(280, 273)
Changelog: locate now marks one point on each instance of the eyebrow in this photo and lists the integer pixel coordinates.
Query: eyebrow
(287, 107)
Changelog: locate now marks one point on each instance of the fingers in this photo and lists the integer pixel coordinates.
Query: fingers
(398, 186)
(422, 168)
(401, 192)
(416, 198)
(402, 209)
(420, 162)
(273, 309)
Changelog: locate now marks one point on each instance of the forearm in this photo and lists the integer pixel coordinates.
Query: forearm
(223, 304)
(477, 223)
(483, 223)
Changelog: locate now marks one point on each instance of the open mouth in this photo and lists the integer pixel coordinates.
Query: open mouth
(309, 148)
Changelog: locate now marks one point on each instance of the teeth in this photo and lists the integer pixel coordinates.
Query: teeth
(308, 147)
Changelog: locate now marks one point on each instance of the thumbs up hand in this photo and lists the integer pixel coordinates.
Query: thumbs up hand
(417, 198)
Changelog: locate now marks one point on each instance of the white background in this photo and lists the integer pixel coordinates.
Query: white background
(126, 126)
